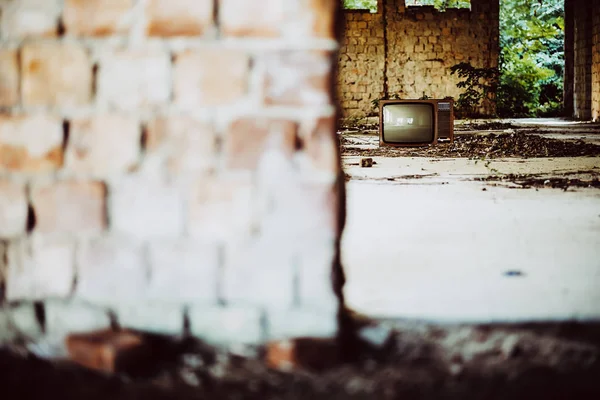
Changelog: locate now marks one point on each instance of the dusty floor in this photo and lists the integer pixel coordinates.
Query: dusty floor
(480, 238)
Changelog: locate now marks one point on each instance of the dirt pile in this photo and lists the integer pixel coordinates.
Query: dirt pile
(490, 146)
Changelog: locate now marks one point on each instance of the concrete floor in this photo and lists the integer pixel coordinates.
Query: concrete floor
(442, 249)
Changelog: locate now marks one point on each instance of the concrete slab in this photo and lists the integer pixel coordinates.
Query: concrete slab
(455, 253)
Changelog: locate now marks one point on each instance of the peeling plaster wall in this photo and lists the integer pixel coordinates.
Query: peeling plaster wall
(421, 45)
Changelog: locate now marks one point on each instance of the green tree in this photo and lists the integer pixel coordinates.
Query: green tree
(531, 58)
(361, 5)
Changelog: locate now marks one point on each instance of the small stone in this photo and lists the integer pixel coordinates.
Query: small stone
(366, 162)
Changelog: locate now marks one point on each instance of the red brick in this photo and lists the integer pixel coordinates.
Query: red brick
(188, 144)
(103, 144)
(133, 79)
(13, 209)
(101, 350)
(247, 139)
(55, 74)
(73, 207)
(29, 18)
(9, 78)
(210, 77)
(30, 144)
(303, 353)
(97, 17)
(299, 78)
(40, 267)
(320, 143)
(220, 208)
(245, 18)
(179, 17)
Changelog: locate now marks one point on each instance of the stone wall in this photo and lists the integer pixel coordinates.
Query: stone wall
(168, 166)
(421, 44)
(596, 65)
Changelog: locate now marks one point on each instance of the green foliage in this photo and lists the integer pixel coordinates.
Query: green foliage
(478, 84)
(361, 5)
(441, 5)
(531, 59)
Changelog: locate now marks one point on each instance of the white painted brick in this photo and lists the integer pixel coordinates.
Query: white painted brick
(40, 267)
(304, 322)
(160, 318)
(129, 80)
(146, 207)
(63, 318)
(259, 272)
(8, 332)
(183, 271)
(111, 270)
(22, 18)
(315, 277)
(25, 322)
(13, 209)
(226, 325)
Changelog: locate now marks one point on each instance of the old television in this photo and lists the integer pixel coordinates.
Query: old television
(415, 122)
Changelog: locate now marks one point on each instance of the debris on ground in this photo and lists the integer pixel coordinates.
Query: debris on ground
(480, 147)
(408, 361)
(527, 181)
(366, 162)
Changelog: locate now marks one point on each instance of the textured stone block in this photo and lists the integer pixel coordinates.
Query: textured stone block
(184, 144)
(70, 207)
(220, 208)
(226, 325)
(210, 77)
(249, 138)
(55, 74)
(179, 17)
(9, 78)
(40, 267)
(133, 79)
(298, 78)
(160, 318)
(64, 318)
(29, 18)
(30, 144)
(97, 17)
(244, 19)
(111, 270)
(13, 209)
(103, 145)
(146, 207)
(293, 323)
(183, 271)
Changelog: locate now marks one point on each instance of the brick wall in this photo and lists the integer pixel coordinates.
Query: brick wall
(168, 161)
(596, 65)
(421, 44)
(582, 49)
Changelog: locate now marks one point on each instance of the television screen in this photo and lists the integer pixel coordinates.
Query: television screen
(408, 123)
